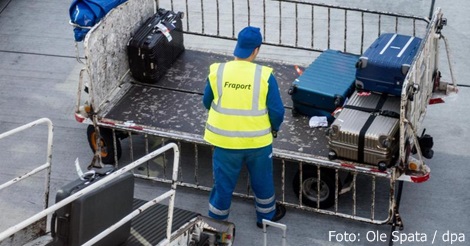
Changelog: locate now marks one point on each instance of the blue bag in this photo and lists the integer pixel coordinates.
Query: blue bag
(86, 13)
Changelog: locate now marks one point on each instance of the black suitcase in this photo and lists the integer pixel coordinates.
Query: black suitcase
(86, 217)
(155, 46)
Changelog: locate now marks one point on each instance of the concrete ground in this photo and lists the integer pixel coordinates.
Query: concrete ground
(38, 78)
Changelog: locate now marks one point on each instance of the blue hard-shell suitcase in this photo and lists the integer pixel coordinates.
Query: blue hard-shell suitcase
(325, 84)
(384, 65)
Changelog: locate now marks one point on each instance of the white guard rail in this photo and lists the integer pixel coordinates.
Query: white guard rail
(49, 210)
(46, 166)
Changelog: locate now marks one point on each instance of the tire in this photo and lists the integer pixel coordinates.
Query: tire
(309, 187)
(107, 147)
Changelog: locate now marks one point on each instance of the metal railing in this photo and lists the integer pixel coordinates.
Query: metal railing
(167, 195)
(368, 197)
(294, 24)
(46, 166)
(90, 188)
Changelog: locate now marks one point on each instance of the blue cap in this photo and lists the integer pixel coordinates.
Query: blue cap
(248, 40)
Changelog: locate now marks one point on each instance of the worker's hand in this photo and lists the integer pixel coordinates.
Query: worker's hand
(274, 134)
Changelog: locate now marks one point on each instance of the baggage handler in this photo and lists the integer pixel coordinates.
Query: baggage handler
(245, 113)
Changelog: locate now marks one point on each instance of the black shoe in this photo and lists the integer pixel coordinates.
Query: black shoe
(280, 212)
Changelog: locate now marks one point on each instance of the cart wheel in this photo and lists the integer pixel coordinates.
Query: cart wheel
(309, 187)
(107, 150)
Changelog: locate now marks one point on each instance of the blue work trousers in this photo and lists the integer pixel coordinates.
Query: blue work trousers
(227, 164)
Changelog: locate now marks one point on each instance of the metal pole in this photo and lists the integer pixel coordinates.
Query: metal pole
(395, 219)
(431, 10)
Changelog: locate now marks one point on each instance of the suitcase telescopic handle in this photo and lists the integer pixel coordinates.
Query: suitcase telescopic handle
(53, 225)
(90, 175)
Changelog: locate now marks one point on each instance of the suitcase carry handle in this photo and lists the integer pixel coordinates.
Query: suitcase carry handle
(55, 223)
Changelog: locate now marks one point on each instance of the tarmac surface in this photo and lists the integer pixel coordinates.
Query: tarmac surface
(39, 76)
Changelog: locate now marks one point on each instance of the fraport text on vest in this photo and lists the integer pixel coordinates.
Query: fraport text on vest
(237, 86)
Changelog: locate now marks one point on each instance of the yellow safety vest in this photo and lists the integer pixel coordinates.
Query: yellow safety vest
(238, 118)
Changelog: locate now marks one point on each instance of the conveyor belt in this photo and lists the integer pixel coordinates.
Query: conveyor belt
(149, 227)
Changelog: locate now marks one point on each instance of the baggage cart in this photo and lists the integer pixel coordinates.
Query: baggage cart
(141, 116)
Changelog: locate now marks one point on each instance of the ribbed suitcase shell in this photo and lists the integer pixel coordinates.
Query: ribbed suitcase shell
(87, 216)
(330, 77)
(384, 65)
(345, 130)
(149, 52)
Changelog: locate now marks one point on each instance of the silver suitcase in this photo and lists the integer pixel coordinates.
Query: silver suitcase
(366, 130)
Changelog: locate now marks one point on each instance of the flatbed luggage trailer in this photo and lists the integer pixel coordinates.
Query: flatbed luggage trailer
(197, 230)
(286, 26)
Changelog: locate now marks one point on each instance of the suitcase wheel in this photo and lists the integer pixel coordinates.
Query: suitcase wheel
(338, 100)
(382, 166)
(332, 155)
(291, 90)
(181, 15)
(362, 63)
(295, 112)
(359, 85)
(405, 68)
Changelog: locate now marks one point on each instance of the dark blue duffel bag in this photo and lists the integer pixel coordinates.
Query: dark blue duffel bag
(86, 13)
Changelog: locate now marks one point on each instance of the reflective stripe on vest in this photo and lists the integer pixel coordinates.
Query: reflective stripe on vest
(238, 133)
(254, 111)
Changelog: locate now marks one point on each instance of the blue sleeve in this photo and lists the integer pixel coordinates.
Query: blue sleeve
(274, 104)
(208, 96)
